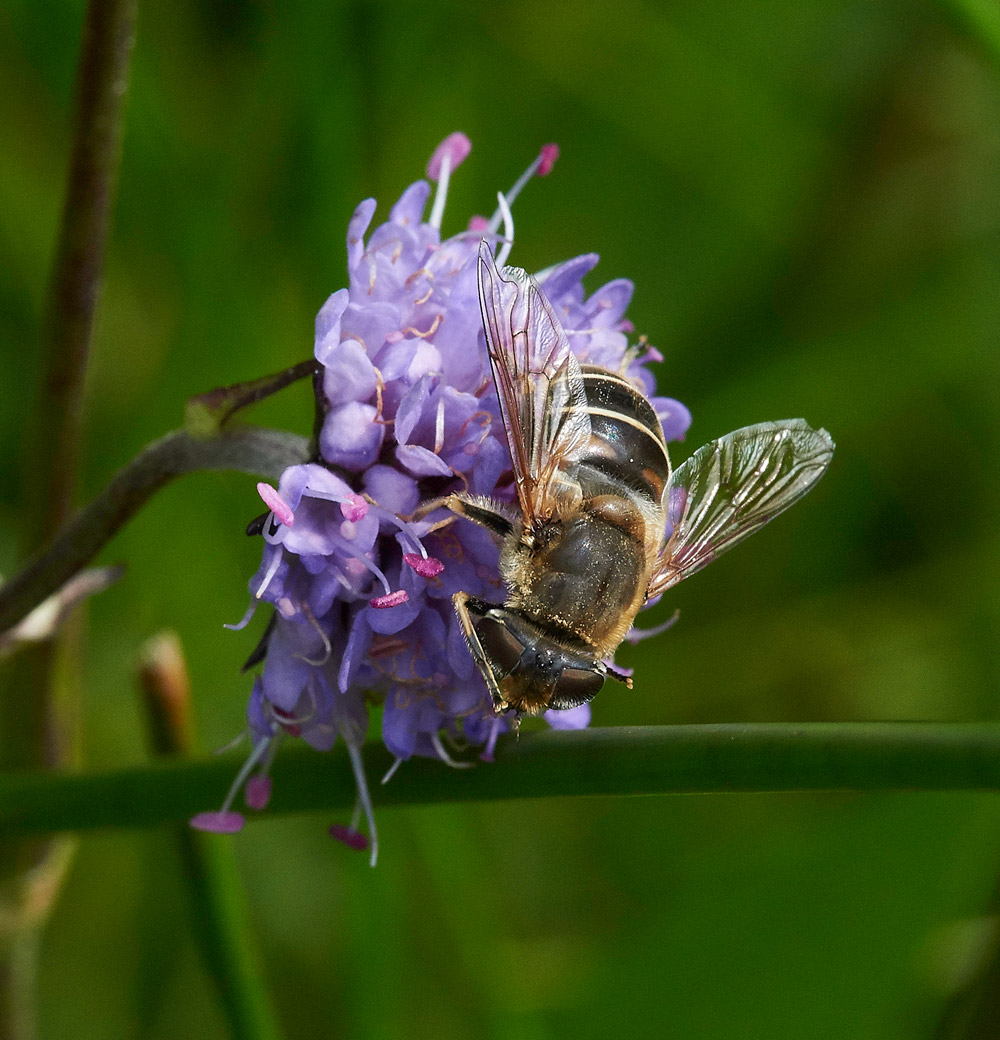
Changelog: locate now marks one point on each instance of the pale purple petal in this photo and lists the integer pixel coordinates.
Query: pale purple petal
(350, 436)
(422, 462)
(348, 375)
(567, 276)
(395, 491)
(608, 304)
(571, 718)
(328, 324)
(411, 407)
(411, 205)
(674, 417)
(356, 231)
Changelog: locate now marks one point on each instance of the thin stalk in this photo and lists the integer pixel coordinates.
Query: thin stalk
(102, 81)
(623, 761)
(208, 868)
(31, 873)
(249, 450)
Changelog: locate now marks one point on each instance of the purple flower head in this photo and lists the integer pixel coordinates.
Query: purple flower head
(362, 597)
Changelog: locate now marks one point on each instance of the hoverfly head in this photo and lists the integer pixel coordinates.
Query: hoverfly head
(533, 671)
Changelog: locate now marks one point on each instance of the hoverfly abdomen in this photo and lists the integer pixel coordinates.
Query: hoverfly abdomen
(626, 446)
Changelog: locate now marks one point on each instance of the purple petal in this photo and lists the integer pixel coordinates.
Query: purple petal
(411, 205)
(568, 276)
(459, 655)
(358, 641)
(405, 718)
(393, 490)
(674, 417)
(349, 375)
(328, 323)
(350, 436)
(422, 462)
(370, 323)
(492, 461)
(571, 718)
(411, 407)
(356, 232)
(609, 303)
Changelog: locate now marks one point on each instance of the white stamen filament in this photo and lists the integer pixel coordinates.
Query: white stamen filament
(508, 231)
(444, 756)
(272, 749)
(383, 514)
(439, 427)
(233, 744)
(345, 547)
(281, 720)
(391, 771)
(241, 777)
(440, 196)
(636, 635)
(245, 620)
(514, 192)
(272, 533)
(327, 649)
(271, 571)
(358, 766)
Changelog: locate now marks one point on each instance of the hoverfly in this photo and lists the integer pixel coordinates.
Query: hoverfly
(603, 522)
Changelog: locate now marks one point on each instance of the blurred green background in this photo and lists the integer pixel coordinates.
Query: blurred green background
(807, 196)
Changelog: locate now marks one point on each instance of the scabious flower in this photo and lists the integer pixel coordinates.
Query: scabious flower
(361, 595)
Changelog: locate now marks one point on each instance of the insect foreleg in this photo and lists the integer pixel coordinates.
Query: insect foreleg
(494, 516)
(497, 517)
(461, 601)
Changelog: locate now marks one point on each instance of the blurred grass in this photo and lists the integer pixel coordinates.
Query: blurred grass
(806, 195)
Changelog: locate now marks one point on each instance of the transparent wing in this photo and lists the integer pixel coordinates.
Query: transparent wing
(542, 399)
(731, 487)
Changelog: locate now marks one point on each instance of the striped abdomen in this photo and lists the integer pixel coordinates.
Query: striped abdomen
(627, 450)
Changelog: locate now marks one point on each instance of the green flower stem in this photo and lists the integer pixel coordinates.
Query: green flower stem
(207, 413)
(622, 761)
(102, 81)
(225, 934)
(248, 449)
(207, 866)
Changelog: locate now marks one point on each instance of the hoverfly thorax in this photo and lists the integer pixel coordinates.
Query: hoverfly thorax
(593, 540)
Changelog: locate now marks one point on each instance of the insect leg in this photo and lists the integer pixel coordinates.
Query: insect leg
(494, 516)
(497, 517)
(461, 601)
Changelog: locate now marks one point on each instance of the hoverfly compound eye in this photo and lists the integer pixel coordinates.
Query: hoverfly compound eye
(501, 645)
(576, 686)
